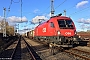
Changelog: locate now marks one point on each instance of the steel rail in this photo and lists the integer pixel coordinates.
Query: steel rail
(14, 50)
(77, 55)
(29, 50)
(32, 52)
(81, 50)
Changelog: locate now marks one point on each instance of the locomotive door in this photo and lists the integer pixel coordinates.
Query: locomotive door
(51, 29)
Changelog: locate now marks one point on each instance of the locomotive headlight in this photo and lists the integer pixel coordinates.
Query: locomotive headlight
(58, 32)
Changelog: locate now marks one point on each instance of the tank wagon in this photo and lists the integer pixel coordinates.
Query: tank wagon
(59, 30)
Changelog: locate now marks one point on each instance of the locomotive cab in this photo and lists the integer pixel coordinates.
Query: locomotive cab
(66, 32)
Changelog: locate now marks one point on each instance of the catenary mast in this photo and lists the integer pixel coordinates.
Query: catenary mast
(4, 24)
(52, 8)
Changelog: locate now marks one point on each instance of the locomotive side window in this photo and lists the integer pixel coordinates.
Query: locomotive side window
(65, 24)
(52, 24)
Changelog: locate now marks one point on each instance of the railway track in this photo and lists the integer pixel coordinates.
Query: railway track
(16, 54)
(79, 53)
(29, 54)
(19, 50)
(32, 52)
(6, 53)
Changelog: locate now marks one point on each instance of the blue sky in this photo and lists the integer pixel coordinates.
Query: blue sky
(32, 10)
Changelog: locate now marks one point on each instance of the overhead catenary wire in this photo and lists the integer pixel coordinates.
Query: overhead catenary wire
(85, 16)
(57, 6)
(47, 8)
(15, 1)
(61, 4)
(76, 11)
(80, 10)
(72, 6)
(64, 9)
(10, 4)
(9, 7)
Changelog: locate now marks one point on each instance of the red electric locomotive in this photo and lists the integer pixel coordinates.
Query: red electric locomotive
(59, 30)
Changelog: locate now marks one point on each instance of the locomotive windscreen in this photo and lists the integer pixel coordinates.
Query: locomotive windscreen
(65, 24)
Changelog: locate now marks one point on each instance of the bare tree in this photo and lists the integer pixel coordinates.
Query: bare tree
(9, 29)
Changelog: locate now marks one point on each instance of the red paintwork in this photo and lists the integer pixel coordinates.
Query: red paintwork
(40, 29)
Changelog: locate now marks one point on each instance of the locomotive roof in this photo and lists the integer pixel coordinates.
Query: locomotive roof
(60, 17)
(56, 17)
